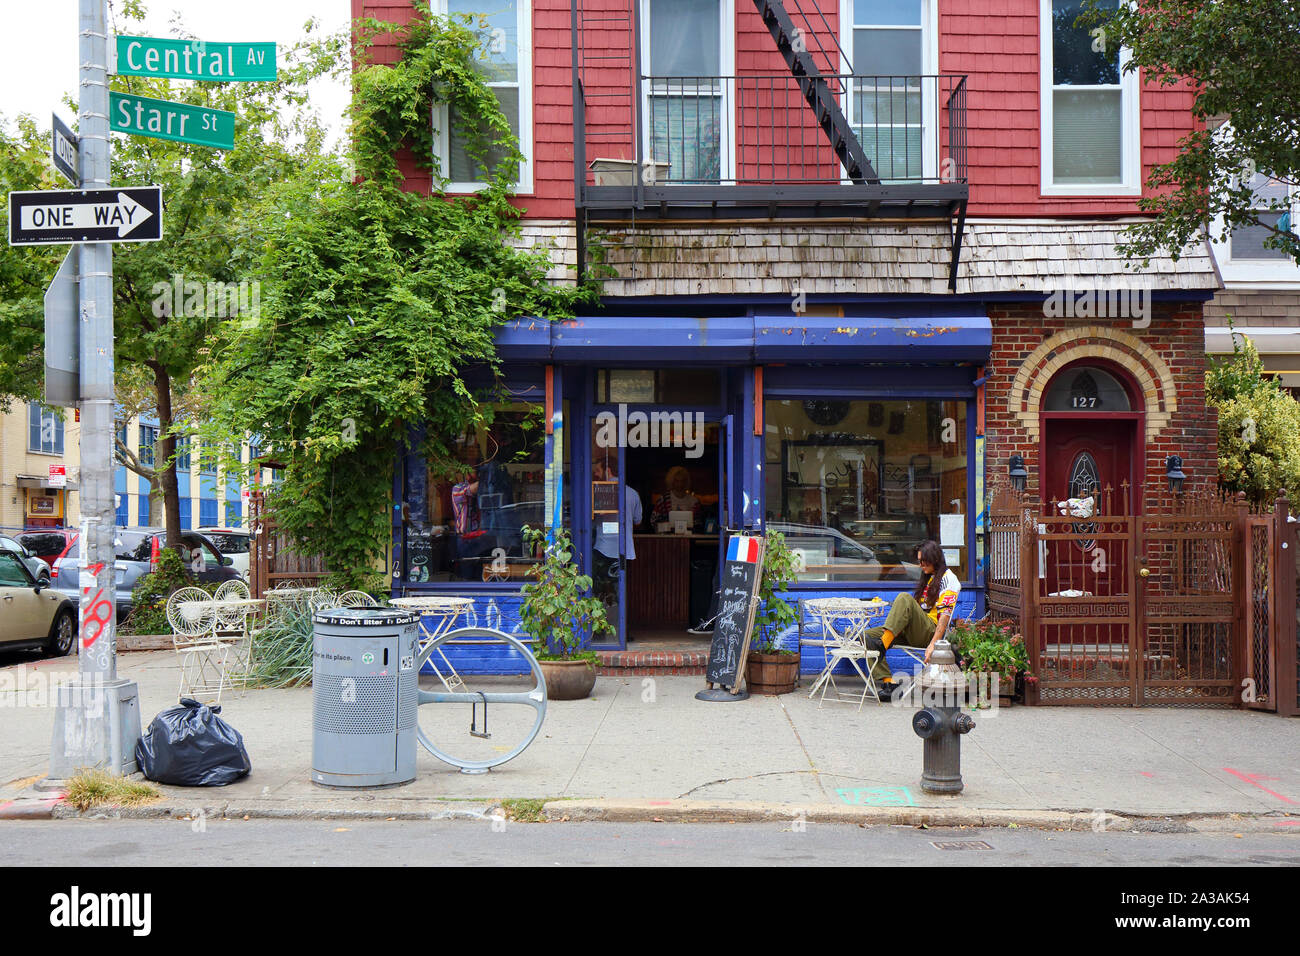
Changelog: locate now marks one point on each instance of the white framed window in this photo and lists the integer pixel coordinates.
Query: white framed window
(1242, 256)
(688, 101)
(1090, 109)
(507, 26)
(893, 45)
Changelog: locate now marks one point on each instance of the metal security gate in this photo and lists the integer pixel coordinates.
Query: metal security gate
(1123, 609)
(1189, 603)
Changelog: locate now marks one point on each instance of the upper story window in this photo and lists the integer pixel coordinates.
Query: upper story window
(687, 49)
(890, 106)
(44, 430)
(506, 26)
(1090, 109)
(1243, 255)
(148, 438)
(182, 454)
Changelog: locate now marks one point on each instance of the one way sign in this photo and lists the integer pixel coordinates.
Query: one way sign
(129, 214)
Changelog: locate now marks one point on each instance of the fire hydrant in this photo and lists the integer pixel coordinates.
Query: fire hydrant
(940, 722)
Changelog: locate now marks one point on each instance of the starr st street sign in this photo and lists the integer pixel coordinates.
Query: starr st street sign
(194, 59)
(53, 217)
(161, 119)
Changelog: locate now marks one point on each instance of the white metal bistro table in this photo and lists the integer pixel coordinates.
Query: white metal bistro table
(444, 611)
(844, 623)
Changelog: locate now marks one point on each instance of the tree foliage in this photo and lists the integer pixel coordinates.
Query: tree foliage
(377, 300)
(1234, 56)
(211, 199)
(1259, 426)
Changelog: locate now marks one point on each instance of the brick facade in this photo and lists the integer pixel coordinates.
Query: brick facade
(1166, 360)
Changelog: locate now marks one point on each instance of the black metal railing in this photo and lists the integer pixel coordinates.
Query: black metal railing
(758, 129)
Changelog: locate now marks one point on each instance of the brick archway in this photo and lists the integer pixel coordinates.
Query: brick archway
(1153, 377)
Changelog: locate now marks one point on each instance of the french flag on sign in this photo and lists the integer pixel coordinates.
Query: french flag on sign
(742, 548)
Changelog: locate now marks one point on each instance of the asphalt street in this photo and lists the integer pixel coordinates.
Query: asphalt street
(461, 843)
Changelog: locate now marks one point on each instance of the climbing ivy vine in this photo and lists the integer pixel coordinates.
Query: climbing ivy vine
(377, 300)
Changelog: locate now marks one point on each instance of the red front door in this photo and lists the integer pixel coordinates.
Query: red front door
(1081, 455)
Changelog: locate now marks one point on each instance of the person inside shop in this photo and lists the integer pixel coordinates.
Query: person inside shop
(919, 619)
(677, 498)
(477, 501)
(604, 554)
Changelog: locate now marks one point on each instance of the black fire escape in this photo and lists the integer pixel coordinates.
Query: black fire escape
(742, 146)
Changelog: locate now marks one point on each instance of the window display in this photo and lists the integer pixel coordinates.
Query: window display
(856, 486)
(469, 527)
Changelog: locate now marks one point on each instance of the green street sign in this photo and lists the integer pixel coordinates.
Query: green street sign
(161, 119)
(194, 59)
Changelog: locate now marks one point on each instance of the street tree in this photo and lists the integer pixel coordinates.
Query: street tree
(170, 297)
(1233, 57)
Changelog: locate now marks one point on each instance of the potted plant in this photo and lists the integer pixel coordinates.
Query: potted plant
(557, 611)
(770, 668)
(985, 648)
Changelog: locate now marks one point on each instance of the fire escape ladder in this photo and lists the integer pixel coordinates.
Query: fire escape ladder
(818, 93)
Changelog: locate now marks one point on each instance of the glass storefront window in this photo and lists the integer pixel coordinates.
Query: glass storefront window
(469, 527)
(856, 485)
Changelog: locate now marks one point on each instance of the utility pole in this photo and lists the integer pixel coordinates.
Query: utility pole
(97, 719)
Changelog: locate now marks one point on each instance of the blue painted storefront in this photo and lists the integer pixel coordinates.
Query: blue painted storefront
(881, 351)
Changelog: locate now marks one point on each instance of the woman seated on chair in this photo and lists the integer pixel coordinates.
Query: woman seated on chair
(919, 619)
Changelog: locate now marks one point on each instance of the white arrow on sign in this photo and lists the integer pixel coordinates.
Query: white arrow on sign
(126, 214)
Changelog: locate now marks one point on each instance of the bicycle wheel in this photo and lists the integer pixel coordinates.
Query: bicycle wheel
(501, 693)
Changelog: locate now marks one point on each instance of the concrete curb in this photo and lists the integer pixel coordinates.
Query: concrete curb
(279, 810)
(30, 808)
(675, 811)
(703, 811)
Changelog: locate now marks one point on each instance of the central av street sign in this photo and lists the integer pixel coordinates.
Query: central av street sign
(53, 217)
(161, 119)
(194, 59)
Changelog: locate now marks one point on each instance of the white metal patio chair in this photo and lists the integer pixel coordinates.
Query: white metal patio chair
(203, 656)
(844, 621)
(357, 599)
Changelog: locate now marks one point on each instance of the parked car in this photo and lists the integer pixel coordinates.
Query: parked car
(831, 555)
(33, 614)
(50, 544)
(40, 570)
(234, 543)
(137, 551)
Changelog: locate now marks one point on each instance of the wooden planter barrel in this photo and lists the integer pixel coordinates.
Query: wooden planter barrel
(771, 674)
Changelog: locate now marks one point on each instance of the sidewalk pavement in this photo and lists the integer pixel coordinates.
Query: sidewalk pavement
(642, 748)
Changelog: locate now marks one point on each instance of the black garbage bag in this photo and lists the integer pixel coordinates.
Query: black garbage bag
(190, 746)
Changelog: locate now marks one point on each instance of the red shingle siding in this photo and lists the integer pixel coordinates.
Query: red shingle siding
(994, 42)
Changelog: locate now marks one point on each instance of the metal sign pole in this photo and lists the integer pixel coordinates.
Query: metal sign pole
(97, 720)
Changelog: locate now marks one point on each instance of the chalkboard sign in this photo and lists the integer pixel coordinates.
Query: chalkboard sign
(737, 601)
(419, 552)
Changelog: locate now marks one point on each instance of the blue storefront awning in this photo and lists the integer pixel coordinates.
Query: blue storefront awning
(918, 334)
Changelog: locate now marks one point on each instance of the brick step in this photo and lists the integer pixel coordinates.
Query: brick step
(651, 663)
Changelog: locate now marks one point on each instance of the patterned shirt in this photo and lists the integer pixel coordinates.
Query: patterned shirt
(949, 588)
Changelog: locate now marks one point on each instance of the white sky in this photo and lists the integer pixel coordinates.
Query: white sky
(38, 58)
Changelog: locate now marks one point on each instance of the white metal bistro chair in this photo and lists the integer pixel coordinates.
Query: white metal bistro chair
(357, 599)
(444, 611)
(203, 656)
(844, 621)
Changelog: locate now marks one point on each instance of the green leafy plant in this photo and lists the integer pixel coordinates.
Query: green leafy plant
(149, 597)
(1259, 425)
(780, 567)
(379, 293)
(558, 610)
(994, 647)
